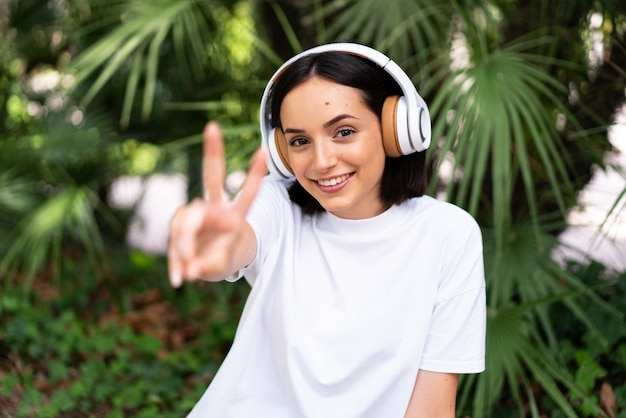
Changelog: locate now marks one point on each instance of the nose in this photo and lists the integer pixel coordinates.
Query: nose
(324, 155)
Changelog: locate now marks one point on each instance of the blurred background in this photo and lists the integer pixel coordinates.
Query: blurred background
(102, 105)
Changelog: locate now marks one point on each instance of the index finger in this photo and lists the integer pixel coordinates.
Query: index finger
(213, 164)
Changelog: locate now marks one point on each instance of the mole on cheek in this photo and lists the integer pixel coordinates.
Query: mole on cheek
(327, 103)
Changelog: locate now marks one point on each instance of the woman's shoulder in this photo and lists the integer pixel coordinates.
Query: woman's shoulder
(272, 198)
(441, 212)
(274, 189)
(276, 184)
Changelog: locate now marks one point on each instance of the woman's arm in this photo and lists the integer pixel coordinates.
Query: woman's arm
(434, 395)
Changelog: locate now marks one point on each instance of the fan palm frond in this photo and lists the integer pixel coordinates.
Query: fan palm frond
(395, 26)
(137, 44)
(492, 118)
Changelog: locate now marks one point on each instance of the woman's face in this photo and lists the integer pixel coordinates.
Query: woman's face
(335, 147)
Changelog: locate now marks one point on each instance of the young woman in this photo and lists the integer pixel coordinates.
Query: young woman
(367, 296)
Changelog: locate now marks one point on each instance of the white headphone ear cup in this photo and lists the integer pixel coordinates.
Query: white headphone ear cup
(277, 146)
(425, 129)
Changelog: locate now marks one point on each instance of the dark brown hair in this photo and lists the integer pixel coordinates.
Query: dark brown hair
(403, 177)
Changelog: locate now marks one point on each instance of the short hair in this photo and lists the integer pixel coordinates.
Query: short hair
(403, 177)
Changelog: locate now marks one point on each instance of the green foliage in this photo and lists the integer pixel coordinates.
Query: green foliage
(50, 194)
(63, 355)
(89, 364)
(140, 41)
(569, 373)
(402, 27)
(522, 337)
(594, 361)
(492, 101)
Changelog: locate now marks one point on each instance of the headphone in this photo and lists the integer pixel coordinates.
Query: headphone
(405, 119)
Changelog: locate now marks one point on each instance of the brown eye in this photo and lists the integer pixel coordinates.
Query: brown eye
(298, 142)
(345, 132)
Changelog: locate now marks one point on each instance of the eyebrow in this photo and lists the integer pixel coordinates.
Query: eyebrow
(326, 124)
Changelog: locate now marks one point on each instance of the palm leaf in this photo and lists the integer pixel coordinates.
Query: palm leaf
(140, 41)
(495, 124)
(40, 234)
(399, 27)
(516, 356)
(287, 27)
(521, 341)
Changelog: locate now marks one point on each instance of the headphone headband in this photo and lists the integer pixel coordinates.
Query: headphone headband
(411, 119)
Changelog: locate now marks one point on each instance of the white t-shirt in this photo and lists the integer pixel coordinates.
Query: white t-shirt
(342, 313)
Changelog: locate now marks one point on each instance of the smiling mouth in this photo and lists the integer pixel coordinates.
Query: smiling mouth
(333, 181)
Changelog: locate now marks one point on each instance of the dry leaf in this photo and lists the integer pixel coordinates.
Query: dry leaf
(608, 401)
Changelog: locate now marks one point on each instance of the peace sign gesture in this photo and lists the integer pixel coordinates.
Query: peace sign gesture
(210, 238)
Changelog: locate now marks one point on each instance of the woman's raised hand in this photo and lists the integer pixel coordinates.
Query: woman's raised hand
(209, 238)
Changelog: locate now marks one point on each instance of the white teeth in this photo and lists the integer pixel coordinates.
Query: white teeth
(334, 181)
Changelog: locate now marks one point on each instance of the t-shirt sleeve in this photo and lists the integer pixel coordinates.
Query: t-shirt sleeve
(456, 336)
(264, 217)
